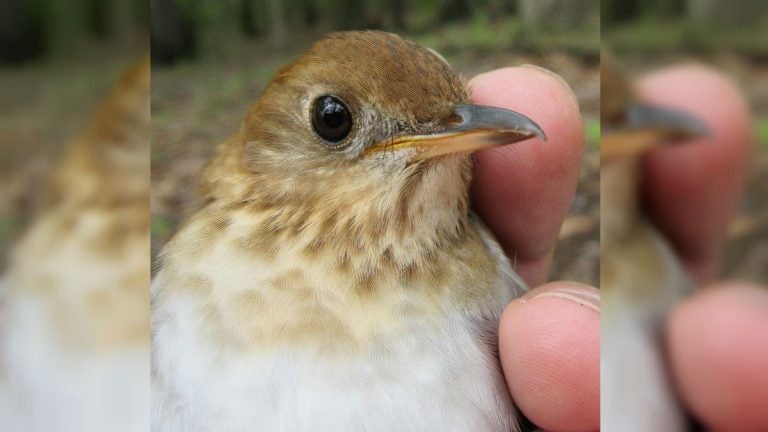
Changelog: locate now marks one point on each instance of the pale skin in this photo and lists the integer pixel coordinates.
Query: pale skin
(549, 339)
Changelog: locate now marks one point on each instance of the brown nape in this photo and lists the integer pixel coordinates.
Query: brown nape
(617, 142)
(111, 155)
(615, 92)
(403, 77)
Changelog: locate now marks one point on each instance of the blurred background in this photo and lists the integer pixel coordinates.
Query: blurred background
(58, 60)
(212, 59)
(74, 186)
(729, 36)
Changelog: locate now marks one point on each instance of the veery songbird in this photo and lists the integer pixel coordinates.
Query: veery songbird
(336, 279)
(641, 277)
(76, 344)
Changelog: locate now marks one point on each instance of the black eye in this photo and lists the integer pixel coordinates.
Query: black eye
(331, 119)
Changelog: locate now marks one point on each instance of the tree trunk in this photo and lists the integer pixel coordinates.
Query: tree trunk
(277, 30)
(173, 34)
(397, 10)
(22, 31)
(453, 10)
(248, 19)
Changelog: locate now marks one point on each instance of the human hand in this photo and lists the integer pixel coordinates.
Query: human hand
(549, 339)
(717, 339)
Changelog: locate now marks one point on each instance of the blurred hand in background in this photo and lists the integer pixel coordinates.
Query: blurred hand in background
(718, 339)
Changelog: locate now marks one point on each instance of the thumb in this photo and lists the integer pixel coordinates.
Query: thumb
(549, 343)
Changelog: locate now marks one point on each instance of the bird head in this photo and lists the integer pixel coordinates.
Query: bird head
(362, 118)
(631, 127)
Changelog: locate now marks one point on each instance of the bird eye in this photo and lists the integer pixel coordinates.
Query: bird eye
(331, 119)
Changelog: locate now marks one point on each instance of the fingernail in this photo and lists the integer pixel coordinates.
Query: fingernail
(581, 294)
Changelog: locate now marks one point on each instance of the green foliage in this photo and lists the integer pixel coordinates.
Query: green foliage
(484, 24)
(618, 11)
(653, 36)
(592, 134)
(479, 34)
(761, 133)
(161, 226)
(8, 226)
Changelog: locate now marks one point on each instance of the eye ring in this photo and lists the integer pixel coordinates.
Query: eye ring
(331, 119)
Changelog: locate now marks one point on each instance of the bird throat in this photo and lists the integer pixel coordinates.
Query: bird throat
(332, 263)
(379, 216)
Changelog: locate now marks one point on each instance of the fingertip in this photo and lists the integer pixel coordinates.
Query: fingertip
(704, 177)
(704, 92)
(718, 345)
(499, 85)
(523, 191)
(550, 352)
(540, 94)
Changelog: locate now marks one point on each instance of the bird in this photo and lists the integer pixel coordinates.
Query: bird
(335, 278)
(642, 278)
(76, 328)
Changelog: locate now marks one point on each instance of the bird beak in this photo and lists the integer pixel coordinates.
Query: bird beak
(648, 126)
(470, 128)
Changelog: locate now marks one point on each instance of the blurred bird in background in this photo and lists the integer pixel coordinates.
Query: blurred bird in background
(76, 326)
(641, 277)
(336, 279)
